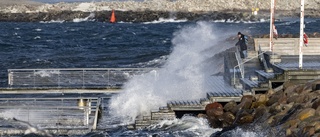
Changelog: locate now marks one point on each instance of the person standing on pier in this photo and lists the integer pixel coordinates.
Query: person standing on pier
(242, 44)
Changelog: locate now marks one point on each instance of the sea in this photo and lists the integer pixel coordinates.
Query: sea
(185, 53)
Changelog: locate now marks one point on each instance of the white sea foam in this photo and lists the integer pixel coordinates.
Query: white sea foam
(38, 29)
(89, 18)
(46, 73)
(182, 77)
(252, 132)
(37, 37)
(238, 21)
(163, 20)
(53, 21)
(194, 125)
(152, 63)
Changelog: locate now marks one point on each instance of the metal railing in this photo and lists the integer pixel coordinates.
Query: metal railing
(241, 64)
(52, 113)
(73, 77)
(262, 59)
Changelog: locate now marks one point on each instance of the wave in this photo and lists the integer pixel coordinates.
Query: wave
(182, 77)
(89, 18)
(239, 21)
(163, 20)
(53, 21)
(157, 62)
(186, 126)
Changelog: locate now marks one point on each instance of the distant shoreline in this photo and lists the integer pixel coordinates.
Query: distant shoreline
(138, 16)
(129, 11)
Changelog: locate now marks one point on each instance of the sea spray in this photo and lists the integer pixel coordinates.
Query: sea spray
(182, 77)
(187, 126)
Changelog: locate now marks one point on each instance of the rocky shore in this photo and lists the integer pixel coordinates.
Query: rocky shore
(289, 110)
(150, 10)
(125, 16)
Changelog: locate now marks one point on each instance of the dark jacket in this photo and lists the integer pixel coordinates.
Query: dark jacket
(242, 43)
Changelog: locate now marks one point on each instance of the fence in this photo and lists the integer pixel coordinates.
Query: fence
(73, 77)
(51, 113)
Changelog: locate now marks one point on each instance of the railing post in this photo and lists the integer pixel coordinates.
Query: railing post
(94, 127)
(28, 114)
(83, 78)
(109, 77)
(10, 78)
(58, 78)
(34, 78)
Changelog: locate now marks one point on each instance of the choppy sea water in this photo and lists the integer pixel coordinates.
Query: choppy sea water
(184, 51)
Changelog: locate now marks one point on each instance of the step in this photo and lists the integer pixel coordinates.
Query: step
(275, 60)
(204, 101)
(238, 86)
(254, 78)
(264, 76)
(264, 85)
(252, 53)
(248, 84)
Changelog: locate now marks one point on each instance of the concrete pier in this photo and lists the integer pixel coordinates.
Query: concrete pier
(261, 71)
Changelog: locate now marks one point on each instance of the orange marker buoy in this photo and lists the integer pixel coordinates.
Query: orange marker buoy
(113, 17)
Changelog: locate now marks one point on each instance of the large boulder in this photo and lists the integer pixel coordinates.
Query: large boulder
(306, 113)
(230, 106)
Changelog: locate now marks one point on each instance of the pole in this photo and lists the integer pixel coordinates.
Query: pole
(301, 33)
(271, 25)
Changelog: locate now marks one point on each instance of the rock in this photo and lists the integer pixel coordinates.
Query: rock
(288, 132)
(317, 126)
(292, 98)
(316, 104)
(276, 120)
(246, 102)
(308, 131)
(214, 122)
(298, 98)
(213, 105)
(318, 111)
(291, 123)
(245, 119)
(288, 83)
(306, 113)
(275, 108)
(259, 112)
(310, 121)
(299, 89)
(229, 106)
(214, 109)
(270, 92)
(274, 98)
(258, 104)
(244, 116)
(227, 119)
(214, 112)
(204, 116)
(290, 88)
(261, 98)
(316, 85)
(283, 99)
